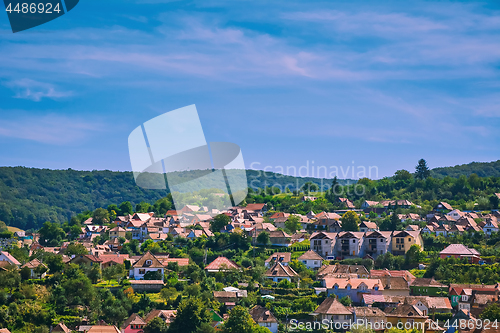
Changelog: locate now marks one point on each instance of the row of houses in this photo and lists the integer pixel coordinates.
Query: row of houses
(359, 244)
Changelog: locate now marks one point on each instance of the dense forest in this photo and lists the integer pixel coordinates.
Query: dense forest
(491, 169)
(29, 197)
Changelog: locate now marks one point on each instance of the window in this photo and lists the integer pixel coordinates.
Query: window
(142, 271)
(149, 262)
(409, 239)
(397, 240)
(381, 240)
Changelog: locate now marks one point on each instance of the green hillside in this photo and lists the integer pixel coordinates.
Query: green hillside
(29, 197)
(482, 169)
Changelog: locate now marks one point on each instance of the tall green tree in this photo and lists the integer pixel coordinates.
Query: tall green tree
(422, 170)
(292, 224)
(239, 321)
(263, 238)
(51, 234)
(156, 325)
(219, 222)
(100, 216)
(191, 314)
(126, 208)
(350, 221)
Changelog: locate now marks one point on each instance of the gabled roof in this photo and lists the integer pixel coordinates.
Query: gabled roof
(222, 264)
(103, 329)
(33, 264)
(258, 206)
(445, 205)
(365, 311)
(280, 256)
(279, 270)
(60, 328)
(331, 306)
(134, 319)
(141, 263)
(369, 225)
(10, 258)
(404, 310)
(261, 314)
(427, 282)
(459, 249)
(167, 315)
(310, 255)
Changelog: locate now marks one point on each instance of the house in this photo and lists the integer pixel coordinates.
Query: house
(427, 287)
(308, 198)
(141, 286)
(369, 316)
(221, 264)
(134, 324)
(109, 260)
(265, 318)
(147, 263)
(346, 203)
(428, 229)
(442, 206)
(283, 257)
(332, 310)
(193, 234)
(374, 273)
(403, 240)
(59, 328)
(377, 243)
(406, 314)
(6, 256)
(354, 288)
(460, 251)
(259, 208)
(325, 220)
(367, 226)
(455, 214)
(278, 214)
(104, 329)
(190, 209)
(442, 230)
(311, 259)
(36, 266)
(349, 244)
(281, 272)
(395, 285)
(117, 232)
(412, 227)
(230, 298)
(280, 238)
(88, 260)
(323, 243)
(368, 204)
(167, 315)
(491, 226)
(342, 271)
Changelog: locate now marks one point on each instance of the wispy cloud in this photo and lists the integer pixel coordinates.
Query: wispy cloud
(36, 91)
(50, 129)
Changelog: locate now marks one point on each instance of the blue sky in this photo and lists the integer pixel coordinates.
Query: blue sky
(334, 83)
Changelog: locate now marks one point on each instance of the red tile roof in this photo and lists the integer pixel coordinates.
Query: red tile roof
(222, 263)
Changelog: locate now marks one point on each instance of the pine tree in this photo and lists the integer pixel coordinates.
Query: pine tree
(422, 170)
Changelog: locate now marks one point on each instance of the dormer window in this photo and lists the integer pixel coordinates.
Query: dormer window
(149, 262)
(348, 287)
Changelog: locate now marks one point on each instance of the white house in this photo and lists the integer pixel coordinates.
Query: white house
(311, 259)
(147, 263)
(6, 256)
(491, 226)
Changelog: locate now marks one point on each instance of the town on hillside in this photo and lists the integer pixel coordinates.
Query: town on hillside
(253, 268)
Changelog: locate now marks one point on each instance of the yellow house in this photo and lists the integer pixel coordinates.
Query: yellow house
(117, 232)
(406, 316)
(403, 240)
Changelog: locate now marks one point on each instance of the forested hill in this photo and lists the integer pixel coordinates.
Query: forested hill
(29, 197)
(482, 169)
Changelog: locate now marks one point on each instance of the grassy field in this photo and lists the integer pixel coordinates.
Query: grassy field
(14, 229)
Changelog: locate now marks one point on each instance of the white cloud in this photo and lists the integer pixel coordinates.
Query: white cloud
(36, 91)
